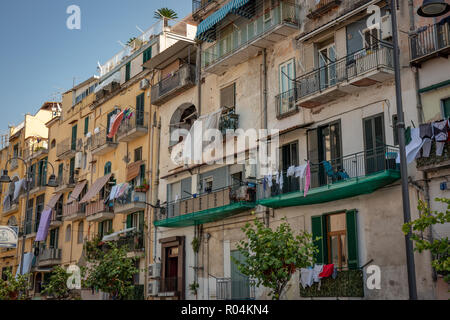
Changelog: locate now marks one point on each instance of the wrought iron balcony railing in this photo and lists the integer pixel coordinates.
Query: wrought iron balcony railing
(285, 103)
(229, 289)
(430, 41)
(343, 70)
(138, 120)
(173, 84)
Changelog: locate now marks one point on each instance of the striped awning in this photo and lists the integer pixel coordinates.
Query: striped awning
(52, 203)
(206, 30)
(95, 188)
(77, 191)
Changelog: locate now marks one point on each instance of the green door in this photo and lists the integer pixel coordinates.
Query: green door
(240, 285)
(72, 171)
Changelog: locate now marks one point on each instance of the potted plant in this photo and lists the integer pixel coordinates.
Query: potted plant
(142, 188)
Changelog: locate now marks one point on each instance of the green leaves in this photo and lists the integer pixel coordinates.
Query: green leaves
(111, 271)
(14, 288)
(165, 13)
(273, 256)
(56, 286)
(439, 248)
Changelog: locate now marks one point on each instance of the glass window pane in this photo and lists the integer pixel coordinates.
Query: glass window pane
(334, 250)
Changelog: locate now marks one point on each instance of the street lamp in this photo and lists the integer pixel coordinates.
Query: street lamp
(5, 178)
(433, 8)
(429, 8)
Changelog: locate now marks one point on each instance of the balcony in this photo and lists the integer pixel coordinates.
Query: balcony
(133, 202)
(66, 149)
(430, 42)
(74, 211)
(262, 32)
(101, 144)
(434, 162)
(173, 85)
(35, 150)
(7, 210)
(202, 6)
(208, 207)
(134, 127)
(57, 219)
(322, 7)
(98, 211)
(66, 183)
(349, 176)
(356, 71)
(285, 104)
(14, 164)
(133, 241)
(348, 284)
(49, 257)
(38, 184)
(229, 289)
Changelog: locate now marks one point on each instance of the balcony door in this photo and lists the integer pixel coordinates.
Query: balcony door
(140, 103)
(73, 144)
(287, 74)
(240, 284)
(374, 144)
(327, 65)
(289, 157)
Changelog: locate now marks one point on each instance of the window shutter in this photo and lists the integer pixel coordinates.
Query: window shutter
(352, 240)
(128, 71)
(100, 228)
(308, 57)
(318, 228)
(130, 221)
(86, 125)
(228, 96)
(313, 156)
(141, 221)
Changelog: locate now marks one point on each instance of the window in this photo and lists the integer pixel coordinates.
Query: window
(54, 235)
(136, 220)
(327, 59)
(16, 150)
(371, 38)
(140, 105)
(374, 144)
(108, 168)
(338, 242)
(39, 208)
(208, 184)
(105, 228)
(86, 125)
(286, 74)
(53, 144)
(446, 108)
(74, 137)
(138, 154)
(228, 96)
(128, 71)
(68, 233)
(147, 54)
(80, 232)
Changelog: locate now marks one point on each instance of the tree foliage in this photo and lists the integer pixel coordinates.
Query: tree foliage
(273, 256)
(439, 248)
(111, 271)
(14, 288)
(165, 14)
(56, 286)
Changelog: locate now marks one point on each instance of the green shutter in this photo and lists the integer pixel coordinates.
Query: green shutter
(86, 125)
(128, 71)
(318, 227)
(352, 240)
(100, 228)
(147, 54)
(130, 221)
(141, 221)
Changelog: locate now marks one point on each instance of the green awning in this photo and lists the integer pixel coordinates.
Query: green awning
(206, 30)
(205, 216)
(336, 191)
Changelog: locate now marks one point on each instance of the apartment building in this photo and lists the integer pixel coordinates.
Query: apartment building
(429, 46)
(320, 73)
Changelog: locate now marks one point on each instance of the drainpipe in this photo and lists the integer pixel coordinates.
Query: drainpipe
(156, 183)
(149, 209)
(264, 93)
(420, 117)
(199, 78)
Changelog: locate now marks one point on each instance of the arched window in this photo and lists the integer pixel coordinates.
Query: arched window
(80, 232)
(108, 167)
(68, 233)
(183, 118)
(53, 144)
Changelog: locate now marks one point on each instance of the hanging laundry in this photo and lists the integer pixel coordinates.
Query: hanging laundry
(19, 185)
(300, 171)
(269, 179)
(115, 126)
(413, 147)
(279, 179)
(290, 171)
(327, 271)
(306, 277)
(44, 225)
(316, 271)
(307, 179)
(440, 132)
(426, 134)
(335, 273)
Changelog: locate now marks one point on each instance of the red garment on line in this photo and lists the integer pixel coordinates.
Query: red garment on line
(327, 271)
(115, 126)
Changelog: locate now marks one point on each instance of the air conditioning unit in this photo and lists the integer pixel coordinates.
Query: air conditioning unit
(386, 27)
(154, 271)
(153, 288)
(78, 160)
(145, 84)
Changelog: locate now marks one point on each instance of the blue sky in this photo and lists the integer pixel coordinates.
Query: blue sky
(40, 56)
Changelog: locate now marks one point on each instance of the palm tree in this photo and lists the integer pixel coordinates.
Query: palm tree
(165, 14)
